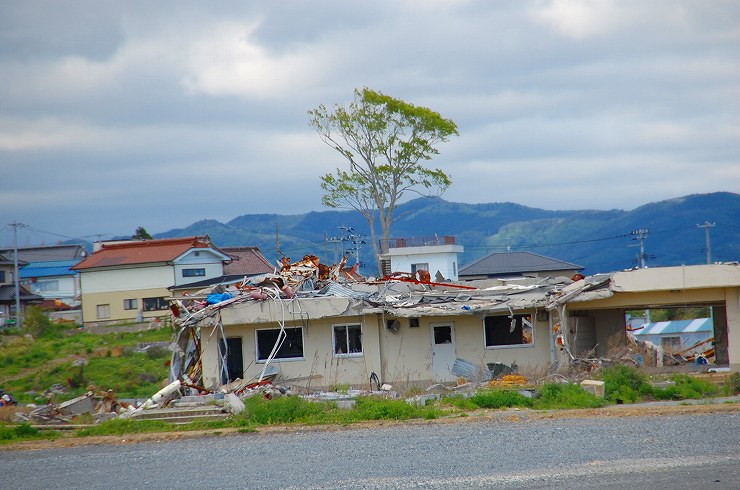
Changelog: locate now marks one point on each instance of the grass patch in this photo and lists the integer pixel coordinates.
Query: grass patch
(24, 432)
(120, 427)
(29, 367)
(564, 396)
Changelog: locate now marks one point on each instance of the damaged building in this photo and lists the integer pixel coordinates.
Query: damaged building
(318, 326)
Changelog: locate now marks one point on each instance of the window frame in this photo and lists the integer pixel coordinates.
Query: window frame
(277, 358)
(161, 301)
(346, 327)
(424, 266)
(131, 304)
(104, 306)
(520, 324)
(194, 272)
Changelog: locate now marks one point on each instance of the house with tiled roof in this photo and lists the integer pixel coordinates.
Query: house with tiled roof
(129, 281)
(517, 264)
(245, 262)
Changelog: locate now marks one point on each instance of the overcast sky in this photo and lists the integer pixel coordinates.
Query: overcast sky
(120, 114)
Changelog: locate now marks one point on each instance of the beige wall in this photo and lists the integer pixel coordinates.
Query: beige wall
(90, 304)
(402, 359)
(732, 308)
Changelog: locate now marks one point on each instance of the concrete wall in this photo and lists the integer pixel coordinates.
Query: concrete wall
(732, 309)
(402, 359)
(115, 299)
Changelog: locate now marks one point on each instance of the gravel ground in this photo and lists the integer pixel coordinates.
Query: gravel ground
(509, 450)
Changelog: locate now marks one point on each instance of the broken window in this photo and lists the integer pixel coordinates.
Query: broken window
(154, 304)
(505, 330)
(419, 267)
(103, 311)
(290, 346)
(200, 272)
(130, 304)
(347, 340)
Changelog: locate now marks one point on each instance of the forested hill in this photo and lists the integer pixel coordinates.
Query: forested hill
(601, 241)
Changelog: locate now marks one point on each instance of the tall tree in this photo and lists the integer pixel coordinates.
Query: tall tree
(386, 142)
(141, 234)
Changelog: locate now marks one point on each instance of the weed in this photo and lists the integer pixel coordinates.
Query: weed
(624, 384)
(500, 399)
(732, 385)
(22, 432)
(558, 395)
(119, 427)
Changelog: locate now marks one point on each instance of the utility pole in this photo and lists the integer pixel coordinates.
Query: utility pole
(16, 279)
(641, 235)
(706, 227)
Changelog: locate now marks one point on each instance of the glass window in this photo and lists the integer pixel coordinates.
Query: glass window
(130, 304)
(290, 344)
(155, 304)
(504, 330)
(103, 311)
(201, 272)
(347, 340)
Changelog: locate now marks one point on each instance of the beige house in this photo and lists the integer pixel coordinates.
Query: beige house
(128, 281)
(410, 334)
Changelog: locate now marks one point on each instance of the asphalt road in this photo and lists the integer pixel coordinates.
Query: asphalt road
(656, 452)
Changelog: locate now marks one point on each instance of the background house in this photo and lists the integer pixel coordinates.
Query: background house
(245, 262)
(677, 335)
(7, 292)
(129, 281)
(54, 280)
(436, 255)
(517, 264)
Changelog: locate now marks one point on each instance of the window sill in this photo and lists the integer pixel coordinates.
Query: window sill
(354, 354)
(287, 359)
(514, 346)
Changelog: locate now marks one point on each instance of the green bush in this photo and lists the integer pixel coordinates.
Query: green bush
(559, 395)
(38, 324)
(624, 384)
(500, 399)
(20, 432)
(285, 409)
(686, 387)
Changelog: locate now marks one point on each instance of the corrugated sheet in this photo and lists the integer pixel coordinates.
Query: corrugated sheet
(676, 327)
(48, 269)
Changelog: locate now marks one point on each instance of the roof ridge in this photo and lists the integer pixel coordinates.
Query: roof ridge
(203, 240)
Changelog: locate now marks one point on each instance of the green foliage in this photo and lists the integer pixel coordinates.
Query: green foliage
(385, 142)
(624, 384)
(686, 387)
(21, 432)
(141, 234)
(34, 365)
(119, 427)
(282, 410)
(558, 395)
(37, 323)
(500, 399)
(732, 385)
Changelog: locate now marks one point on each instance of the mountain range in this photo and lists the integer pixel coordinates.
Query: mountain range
(673, 232)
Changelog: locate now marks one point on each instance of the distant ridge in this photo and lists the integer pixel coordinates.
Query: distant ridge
(601, 241)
